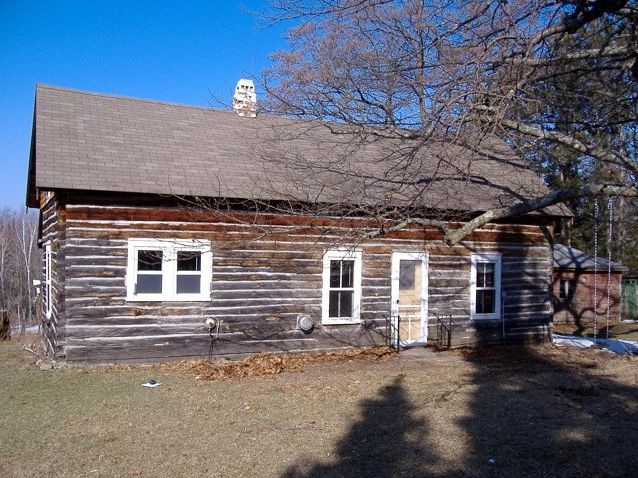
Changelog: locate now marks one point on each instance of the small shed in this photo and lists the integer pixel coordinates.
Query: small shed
(580, 287)
(630, 295)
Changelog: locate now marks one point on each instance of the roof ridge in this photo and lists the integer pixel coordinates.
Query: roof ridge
(127, 98)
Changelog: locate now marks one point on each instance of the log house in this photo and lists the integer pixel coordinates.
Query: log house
(134, 263)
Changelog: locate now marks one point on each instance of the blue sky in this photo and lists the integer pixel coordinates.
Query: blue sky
(165, 50)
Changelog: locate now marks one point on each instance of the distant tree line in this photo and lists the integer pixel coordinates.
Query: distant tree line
(20, 264)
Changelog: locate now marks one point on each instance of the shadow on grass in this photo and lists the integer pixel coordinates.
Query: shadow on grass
(530, 412)
(388, 440)
(534, 414)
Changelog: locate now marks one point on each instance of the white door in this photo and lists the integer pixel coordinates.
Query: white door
(410, 297)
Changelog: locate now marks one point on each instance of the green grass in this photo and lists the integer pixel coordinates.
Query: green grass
(536, 412)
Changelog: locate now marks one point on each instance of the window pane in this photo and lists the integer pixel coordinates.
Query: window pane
(335, 273)
(340, 303)
(345, 306)
(407, 270)
(486, 274)
(347, 273)
(149, 260)
(189, 261)
(149, 284)
(333, 304)
(188, 284)
(485, 302)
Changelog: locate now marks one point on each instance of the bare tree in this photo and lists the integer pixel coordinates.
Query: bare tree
(26, 234)
(19, 265)
(449, 76)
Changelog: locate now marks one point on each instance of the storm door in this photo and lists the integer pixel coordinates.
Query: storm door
(410, 297)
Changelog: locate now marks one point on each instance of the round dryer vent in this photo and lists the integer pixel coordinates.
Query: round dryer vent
(305, 323)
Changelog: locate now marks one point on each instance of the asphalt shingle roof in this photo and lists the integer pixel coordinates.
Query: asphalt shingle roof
(90, 141)
(566, 257)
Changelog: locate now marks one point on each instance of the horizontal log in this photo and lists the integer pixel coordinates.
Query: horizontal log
(79, 289)
(163, 213)
(223, 232)
(230, 320)
(264, 285)
(198, 346)
(106, 243)
(248, 294)
(240, 330)
(95, 272)
(188, 215)
(239, 274)
(514, 310)
(305, 266)
(266, 309)
(528, 272)
(439, 303)
(245, 331)
(96, 261)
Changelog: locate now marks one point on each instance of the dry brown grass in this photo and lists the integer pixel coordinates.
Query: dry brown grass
(263, 363)
(543, 412)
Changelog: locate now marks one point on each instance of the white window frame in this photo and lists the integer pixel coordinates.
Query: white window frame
(495, 258)
(339, 255)
(169, 248)
(48, 280)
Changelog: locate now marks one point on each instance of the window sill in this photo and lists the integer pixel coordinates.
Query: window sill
(340, 321)
(482, 317)
(168, 299)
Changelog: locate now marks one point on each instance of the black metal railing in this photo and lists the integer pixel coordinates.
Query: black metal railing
(443, 331)
(392, 331)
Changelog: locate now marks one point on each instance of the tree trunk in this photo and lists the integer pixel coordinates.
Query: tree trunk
(5, 328)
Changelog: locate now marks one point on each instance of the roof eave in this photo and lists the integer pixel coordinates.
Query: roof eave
(31, 199)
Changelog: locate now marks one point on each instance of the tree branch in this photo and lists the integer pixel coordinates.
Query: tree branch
(621, 52)
(455, 236)
(441, 225)
(566, 140)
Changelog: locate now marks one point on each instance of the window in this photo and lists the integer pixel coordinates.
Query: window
(189, 272)
(169, 270)
(566, 290)
(341, 286)
(407, 271)
(47, 286)
(485, 286)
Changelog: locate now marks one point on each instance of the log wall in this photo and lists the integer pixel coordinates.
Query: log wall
(52, 230)
(267, 270)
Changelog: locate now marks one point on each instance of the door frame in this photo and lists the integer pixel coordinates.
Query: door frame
(397, 256)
